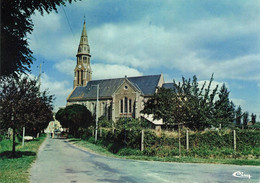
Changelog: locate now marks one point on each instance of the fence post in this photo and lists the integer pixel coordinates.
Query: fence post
(235, 141)
(179, 137)
(23, 136)
(187, 140)
(100, 132)
(142, 140)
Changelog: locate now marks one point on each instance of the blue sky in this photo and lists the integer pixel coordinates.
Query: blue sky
(177, 38)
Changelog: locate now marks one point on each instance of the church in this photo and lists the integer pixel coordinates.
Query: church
(117, 98)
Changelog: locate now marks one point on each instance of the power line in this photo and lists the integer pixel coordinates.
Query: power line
(68, 23)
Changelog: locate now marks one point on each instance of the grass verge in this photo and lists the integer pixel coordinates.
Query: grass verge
(17, 169)
(97, 148)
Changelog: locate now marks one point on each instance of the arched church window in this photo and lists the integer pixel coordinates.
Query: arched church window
(126, 103)
(130, 105)
(78, 77)
(121, 106)
(84, 59)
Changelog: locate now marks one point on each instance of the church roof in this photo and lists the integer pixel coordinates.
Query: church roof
(168, 85)
(145, 84)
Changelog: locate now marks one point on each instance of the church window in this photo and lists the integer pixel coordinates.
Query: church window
(84, 59)
(126, 104)
(130, 105)
(126, 87)
(85, 49)
(78, 77)
(121, 106)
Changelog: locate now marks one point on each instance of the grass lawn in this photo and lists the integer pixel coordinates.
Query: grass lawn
(185, 159)
(17, 169)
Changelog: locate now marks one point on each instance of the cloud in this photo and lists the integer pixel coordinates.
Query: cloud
(50, 40)
(59, 88)
(107, 71)
(146, 46)
(238, 101)
(66, 66)
(100, 71)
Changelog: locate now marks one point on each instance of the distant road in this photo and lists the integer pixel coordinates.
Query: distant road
(60, 162)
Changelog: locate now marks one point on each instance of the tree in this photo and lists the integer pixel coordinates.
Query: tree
(74, 117)
(238, 116)
(22, 105)
(253, 118)
(16, 24)
(245, 119)
(185, 104)
(224, 108)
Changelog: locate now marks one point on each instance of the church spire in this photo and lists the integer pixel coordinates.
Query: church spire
(83, 44)
(83, 72)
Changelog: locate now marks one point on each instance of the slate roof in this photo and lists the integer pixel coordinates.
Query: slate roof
(145, 84)
(168, 85)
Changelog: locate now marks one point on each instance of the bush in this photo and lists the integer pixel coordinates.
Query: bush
(129, 152)
(91, 140)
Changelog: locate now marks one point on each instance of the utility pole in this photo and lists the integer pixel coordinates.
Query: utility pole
(96, 112)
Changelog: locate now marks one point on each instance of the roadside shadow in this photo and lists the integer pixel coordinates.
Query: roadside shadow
(74, 140)
(18, 154)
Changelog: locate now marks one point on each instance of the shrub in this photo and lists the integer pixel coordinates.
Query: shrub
(129, 152)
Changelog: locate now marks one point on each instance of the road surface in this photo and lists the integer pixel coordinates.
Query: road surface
(58, 161)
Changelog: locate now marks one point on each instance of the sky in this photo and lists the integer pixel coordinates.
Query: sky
(134, 38)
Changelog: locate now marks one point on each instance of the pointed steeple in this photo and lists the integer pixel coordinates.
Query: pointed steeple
(83, 72)
(83, 44)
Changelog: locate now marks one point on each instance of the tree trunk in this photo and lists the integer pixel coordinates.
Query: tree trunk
(13, 150)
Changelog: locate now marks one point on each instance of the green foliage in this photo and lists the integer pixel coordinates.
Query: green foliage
(195, 107)
(224, 109)
(75, 117)
(16, 24)
(129, 152)
(245, 119)
(253, 118)
(238, 115)
(256, 126)
(103, 122)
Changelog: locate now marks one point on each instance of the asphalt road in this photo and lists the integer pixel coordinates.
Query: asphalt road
(58, 161)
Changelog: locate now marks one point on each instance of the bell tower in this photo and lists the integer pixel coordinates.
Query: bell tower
(82, 71)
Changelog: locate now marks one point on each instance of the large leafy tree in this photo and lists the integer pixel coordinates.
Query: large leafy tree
(23, 105)
(186, 103)
(74, 117)
(16, 24)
